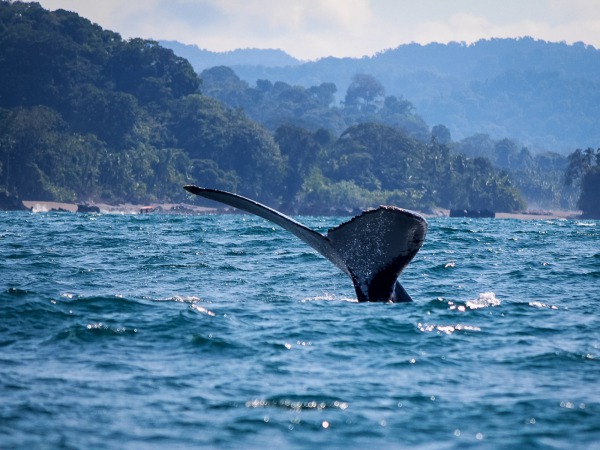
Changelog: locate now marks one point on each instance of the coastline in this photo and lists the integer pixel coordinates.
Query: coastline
(525, 215)
(125, 208)
(540, 215)
(186, 208)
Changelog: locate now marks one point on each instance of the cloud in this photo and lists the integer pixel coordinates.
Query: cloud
(466, 27)
(306, 29)
(310, 29)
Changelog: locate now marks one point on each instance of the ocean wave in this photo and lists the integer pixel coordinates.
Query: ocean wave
(90, 333)
(330, 297)
(446, 329)
(146, 332)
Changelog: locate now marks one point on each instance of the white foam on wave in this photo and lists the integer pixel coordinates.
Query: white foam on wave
(180, 299)
(38, 208)
(192, 300)
(446, 329)
(202, 309)
(484, 300)
(537, 304)
(327, 297)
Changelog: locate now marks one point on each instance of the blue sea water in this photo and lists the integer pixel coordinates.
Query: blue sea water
(224, 331)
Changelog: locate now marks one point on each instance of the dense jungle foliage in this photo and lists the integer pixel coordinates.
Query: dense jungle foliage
(538, 176)
(86, 115)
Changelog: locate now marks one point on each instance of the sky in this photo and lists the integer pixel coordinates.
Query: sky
(312, 29)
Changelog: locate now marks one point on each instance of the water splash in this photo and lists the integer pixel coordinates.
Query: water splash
(484, 300)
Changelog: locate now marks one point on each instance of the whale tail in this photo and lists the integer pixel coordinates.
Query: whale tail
(373, 248)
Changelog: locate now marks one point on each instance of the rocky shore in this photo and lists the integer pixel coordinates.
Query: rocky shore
(126, 208)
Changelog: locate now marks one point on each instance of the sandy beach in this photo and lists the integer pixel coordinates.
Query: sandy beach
(540, 215)
(528, 214)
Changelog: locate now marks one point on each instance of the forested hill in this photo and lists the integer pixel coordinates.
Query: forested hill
(547, 95)
(86, 115)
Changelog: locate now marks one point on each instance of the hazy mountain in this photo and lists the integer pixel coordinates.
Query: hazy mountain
(202, 59)
(545, 94)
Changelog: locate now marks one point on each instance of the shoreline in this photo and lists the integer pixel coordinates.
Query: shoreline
(125, 208)
(540, 215)
(525, 215)
(186, 208)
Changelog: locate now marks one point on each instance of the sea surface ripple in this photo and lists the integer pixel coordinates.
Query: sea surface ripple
(224, 331)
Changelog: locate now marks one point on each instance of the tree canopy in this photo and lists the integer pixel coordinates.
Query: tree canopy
(276, 104)
(584, 170)
(88, 115)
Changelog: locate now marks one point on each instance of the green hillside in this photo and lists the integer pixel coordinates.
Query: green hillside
(86, 115)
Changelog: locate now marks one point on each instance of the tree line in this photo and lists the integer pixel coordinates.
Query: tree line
(537, 176)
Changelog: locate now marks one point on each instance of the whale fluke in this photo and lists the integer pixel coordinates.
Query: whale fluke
(373, 248)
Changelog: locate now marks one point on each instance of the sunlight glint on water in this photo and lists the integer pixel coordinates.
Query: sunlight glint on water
(223, 331)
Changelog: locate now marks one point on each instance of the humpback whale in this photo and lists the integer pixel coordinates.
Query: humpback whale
(372, 248)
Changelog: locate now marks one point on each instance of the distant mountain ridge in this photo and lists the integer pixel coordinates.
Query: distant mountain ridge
(203, 59)
(545, 94)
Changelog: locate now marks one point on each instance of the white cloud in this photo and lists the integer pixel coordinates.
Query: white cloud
(306, 29)
(309, 29)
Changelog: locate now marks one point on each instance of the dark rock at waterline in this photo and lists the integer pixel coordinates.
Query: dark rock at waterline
(477, 213)
(11, 203)
(85, 208)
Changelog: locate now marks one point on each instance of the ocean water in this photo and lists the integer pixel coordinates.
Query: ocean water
(224, 331)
